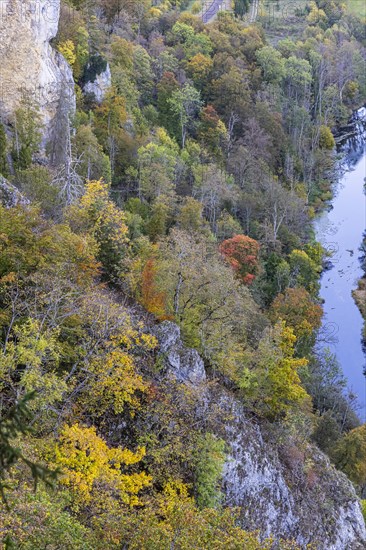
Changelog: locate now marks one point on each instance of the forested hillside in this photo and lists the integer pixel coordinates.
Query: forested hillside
(159, 282)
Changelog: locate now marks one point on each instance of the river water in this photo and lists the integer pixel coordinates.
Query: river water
(340, 230)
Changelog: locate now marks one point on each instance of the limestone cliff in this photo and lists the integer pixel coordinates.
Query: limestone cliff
(98, 87)
(282, 490)
(287, 491)
(9, 195)
(29, 65)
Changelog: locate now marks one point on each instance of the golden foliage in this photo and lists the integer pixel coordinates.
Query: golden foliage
(89, 465)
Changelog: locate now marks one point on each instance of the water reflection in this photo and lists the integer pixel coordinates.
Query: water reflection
(340, 230)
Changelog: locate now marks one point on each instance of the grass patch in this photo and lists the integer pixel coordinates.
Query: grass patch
(356, 7)
(282, 18)
(283, 10)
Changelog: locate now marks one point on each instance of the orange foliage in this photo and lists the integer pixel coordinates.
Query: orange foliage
(151, 298)
(297, 308)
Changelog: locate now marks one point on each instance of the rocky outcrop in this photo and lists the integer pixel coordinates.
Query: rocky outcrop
(185, 364)
(282, 490)
(30, 67)
(9, 195)
(286, 491)
(99, 86)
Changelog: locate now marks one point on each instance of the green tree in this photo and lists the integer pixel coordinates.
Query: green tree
(157, 223)
(208, 472)
(327, 386)
(143, 74)
(165, 88)
(157, 161)
(350, 455)
(181, 32)
(15, 424)
(212, 131)
(304, 271)
(272, 64)
(36, 184)
(186, 104)
(96, 214)
(231, 96)
(31, 356)
(55, 527)
(94, 163)
(190, 217)
(241, 7)
(276, 386)
(27, 134)
(110, 118)
(3, 152)
(298, 78)
(122, 51)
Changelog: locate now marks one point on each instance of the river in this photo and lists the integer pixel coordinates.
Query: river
(340, 230)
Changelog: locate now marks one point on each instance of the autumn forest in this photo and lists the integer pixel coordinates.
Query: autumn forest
(159, 284)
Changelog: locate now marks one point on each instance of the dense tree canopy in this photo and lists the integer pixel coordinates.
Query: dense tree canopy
(187, 194)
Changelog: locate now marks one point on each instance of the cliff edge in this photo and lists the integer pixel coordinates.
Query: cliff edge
(30, 68)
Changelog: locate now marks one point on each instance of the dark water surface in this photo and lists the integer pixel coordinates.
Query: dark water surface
(340, 231)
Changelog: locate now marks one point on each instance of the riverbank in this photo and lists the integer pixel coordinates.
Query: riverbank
(339, 229)
(359, 296)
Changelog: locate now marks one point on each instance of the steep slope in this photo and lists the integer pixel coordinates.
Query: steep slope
(282, 490)
(10, 195)
(103, 391)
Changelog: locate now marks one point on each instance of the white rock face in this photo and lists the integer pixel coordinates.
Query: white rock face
(305, 499)
(9, 195)
(100, 85)
(185, 364)
(282, 491)
(29, 66)
(255, 484)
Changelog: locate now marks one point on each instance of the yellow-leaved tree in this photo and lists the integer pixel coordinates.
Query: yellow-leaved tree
(175, 522)
(30, 359)
(113, 380)
(67, 49)
(349, 455)
(91, 468)
(98, 215)
(276, 387)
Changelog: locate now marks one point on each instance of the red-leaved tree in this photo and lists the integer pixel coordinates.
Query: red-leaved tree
(242, 254)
